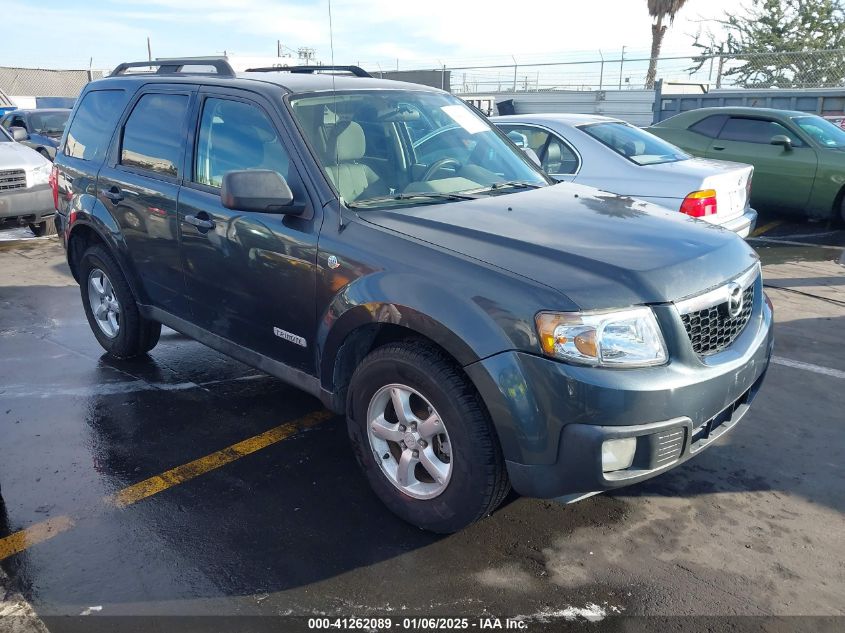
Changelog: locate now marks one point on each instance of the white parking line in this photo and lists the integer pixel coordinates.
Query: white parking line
(818, 369)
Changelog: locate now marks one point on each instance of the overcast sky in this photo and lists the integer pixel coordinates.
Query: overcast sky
(64, 34)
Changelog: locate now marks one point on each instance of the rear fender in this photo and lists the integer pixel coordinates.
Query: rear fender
(87, 211)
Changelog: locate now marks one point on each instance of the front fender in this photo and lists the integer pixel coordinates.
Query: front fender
(830, 180)
(468, 328)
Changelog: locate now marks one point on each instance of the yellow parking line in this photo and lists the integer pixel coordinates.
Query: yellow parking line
(45, 530)
(34, 534)
(186, 472)
(766, 228)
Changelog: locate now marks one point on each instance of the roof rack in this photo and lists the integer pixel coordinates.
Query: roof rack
(172, 66)
(355, 70)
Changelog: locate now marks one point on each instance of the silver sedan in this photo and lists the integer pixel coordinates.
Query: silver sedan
(614, 156)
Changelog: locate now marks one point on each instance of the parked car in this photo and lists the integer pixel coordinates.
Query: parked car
(614, 156)
(25, 195)
(798, 158)
(43, 127)
(477, 327)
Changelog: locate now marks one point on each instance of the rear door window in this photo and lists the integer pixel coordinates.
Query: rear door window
(152, 136)
(760, 131)
(556, 157)
(93, 124)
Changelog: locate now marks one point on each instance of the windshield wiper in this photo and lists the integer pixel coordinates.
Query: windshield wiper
(514, 184)
(410, 196)
(499, 187)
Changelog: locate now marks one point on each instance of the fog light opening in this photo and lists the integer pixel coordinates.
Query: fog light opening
(618, 454)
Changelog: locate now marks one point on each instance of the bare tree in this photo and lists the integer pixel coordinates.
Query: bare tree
(659, 10)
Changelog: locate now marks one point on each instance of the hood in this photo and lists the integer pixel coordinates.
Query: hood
(17, 156)
(598, 249)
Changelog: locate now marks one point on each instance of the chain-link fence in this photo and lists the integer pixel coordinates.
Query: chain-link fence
(808, 69)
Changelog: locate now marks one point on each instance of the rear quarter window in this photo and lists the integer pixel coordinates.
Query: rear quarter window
(709, 126)
(93, 124)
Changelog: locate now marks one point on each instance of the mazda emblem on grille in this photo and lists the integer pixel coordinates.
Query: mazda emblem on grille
(734, 299)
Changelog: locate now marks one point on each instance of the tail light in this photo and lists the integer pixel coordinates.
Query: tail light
(700, 203)
(54, 185)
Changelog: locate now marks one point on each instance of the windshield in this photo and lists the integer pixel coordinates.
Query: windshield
(823, 131)
(635, 144)
(383, 147)
(48, 122)
(4, 136)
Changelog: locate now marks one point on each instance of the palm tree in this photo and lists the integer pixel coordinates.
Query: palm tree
(659, 10)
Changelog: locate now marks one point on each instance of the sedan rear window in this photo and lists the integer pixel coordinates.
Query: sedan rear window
(635, 144)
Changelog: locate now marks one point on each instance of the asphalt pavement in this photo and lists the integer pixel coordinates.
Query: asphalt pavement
(186, 483)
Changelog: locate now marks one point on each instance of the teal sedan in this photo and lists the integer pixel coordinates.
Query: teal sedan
(798, 158)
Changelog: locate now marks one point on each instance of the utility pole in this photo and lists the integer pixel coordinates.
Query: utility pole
(621, 64)
(149, 50)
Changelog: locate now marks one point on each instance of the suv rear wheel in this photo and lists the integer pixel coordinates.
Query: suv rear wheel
(423, 439)
(111, 308)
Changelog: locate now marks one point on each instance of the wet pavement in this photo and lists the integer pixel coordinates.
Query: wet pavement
(752, 526)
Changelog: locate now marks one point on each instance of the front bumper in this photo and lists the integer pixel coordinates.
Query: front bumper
(552, 418)
(28, 206)
(743, 225)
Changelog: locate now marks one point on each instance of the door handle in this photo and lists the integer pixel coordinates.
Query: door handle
(719, 147)
(112, 193)
(203, 223)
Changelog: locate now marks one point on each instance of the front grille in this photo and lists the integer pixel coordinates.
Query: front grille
(12, 179)
(712, 329)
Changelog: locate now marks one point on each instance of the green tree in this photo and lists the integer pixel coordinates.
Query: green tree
(780, 43)
(659, 10)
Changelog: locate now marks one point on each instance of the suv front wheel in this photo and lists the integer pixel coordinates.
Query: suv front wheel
(111, 308)
(423, 438)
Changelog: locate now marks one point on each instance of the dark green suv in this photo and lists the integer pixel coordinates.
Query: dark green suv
(383, 247)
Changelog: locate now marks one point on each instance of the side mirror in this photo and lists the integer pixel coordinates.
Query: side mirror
(782, 139)
(261, 190)
(18, 133)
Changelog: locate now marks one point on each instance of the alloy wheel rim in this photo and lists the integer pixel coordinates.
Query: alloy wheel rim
(103, 302)
(409, 441)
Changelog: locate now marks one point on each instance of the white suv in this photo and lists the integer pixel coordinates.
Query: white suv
(26, 196)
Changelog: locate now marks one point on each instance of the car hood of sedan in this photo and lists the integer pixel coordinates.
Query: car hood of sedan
(598, 249)
(17, 156)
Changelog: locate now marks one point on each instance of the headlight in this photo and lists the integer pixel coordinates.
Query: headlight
(40, 175)
(625, 338)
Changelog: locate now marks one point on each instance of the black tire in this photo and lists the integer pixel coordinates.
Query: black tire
(478, 481)
(47, 227)
(136, 335)
(44, 153)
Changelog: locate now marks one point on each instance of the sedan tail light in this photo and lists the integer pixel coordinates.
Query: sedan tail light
(54, 185)
(700, 203)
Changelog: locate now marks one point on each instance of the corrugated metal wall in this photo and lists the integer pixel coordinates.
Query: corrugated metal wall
(39, 87)
(827, 102)
(634, 106)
